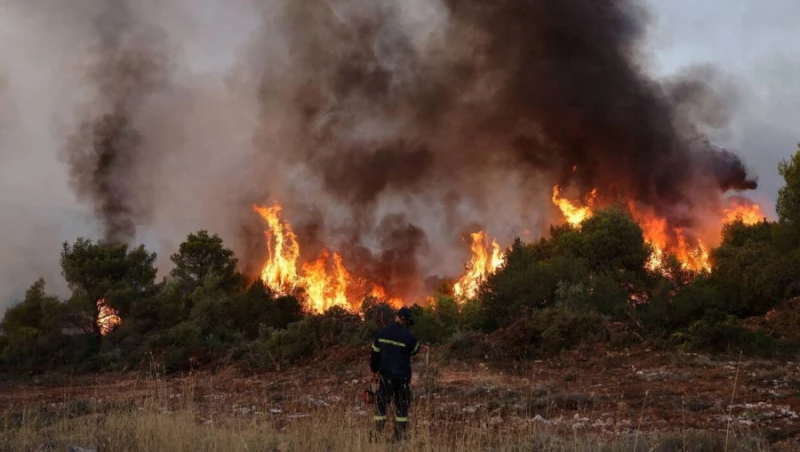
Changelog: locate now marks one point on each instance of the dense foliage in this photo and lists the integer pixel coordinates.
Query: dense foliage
(579, 286)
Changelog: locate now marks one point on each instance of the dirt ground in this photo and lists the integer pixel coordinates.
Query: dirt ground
(596, 392)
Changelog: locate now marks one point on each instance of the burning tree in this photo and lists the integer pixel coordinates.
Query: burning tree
(106, 280)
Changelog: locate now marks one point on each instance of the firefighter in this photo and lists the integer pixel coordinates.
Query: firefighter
(390, 362)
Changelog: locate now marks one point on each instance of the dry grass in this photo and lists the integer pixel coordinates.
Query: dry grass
(157, 416)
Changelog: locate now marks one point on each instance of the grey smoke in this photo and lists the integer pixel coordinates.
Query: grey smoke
(105, 153)
(387, 129)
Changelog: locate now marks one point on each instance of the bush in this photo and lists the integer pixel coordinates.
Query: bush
(469, 345)
(437, 322)
(550, 330)
(785, 320)
(315, 334)
(725, 334)
(679, 307)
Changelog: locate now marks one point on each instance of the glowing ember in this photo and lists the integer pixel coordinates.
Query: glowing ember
(741, 208)
(486, 259)
(325, 281)
(572, 211)
(280, 270)
(107, 317)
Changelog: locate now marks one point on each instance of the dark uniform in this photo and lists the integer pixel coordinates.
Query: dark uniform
(391, 356)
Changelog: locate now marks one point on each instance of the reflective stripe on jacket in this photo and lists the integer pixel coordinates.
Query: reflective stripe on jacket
(392, 350)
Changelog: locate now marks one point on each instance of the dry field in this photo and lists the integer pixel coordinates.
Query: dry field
(590, 400)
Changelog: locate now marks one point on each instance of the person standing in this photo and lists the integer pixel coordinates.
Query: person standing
(390, 363)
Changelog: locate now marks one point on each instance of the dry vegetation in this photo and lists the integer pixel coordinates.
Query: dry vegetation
(634, 400)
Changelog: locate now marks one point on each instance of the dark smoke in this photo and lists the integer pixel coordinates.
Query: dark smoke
(572, 69)
(499, 90)
(103, 155)
(395, 266)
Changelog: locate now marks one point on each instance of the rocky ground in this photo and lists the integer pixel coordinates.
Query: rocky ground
(598, 393)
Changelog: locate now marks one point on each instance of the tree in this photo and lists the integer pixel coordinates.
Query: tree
(531, 276)
(119, 275)
(736, 233)
(755, 276)
(32, 328)
(613, 242)
(200, 255)
(788, 204)
(37, 311)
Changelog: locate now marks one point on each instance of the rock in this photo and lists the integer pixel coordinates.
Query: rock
(74, 448)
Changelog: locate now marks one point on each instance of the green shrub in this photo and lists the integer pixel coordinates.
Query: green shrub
(725, 334)
(315, 334)
(437, 322)
(550, 330)
(469, 345)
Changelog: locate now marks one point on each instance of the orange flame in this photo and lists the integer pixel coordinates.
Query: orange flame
(280, 270)
(741, 208)
(691, 252)
(486, 259)
(108, 318)
(380, 294)
(572, 211)
(326, 281)
(326, 289)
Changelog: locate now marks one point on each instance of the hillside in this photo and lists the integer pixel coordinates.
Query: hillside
(590, 399)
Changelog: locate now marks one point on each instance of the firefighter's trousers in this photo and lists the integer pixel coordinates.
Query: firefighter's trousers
(397, 391)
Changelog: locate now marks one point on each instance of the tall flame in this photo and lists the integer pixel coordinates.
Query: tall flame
(107, 317)
(572, 211)
(280, 270)
(326, 281)
(740, 208)
(326, 289)
(485, 260)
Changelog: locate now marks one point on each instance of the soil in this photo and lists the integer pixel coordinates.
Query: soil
(599, 392)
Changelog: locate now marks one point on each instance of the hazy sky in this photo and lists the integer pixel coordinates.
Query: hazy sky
(754, 43)
(757, 43)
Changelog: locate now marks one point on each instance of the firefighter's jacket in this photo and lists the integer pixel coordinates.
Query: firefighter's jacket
(392, 350)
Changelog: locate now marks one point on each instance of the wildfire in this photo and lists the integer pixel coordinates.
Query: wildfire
(380, 294)
(326, 281)
(691, 252)
(740, 208)
(326, 289)
(280, 270)
(486, 259)
(572, 211)
(107, 317)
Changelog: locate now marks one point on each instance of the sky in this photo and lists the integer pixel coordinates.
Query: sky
(754, 44)
(757, 44)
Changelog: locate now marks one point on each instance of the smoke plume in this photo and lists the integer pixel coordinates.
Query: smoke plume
(387, 130)
(104, 154)
(386, 105)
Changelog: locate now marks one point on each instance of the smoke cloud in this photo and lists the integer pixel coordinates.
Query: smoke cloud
(386, 104)
(388, 130)
(104, 154)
